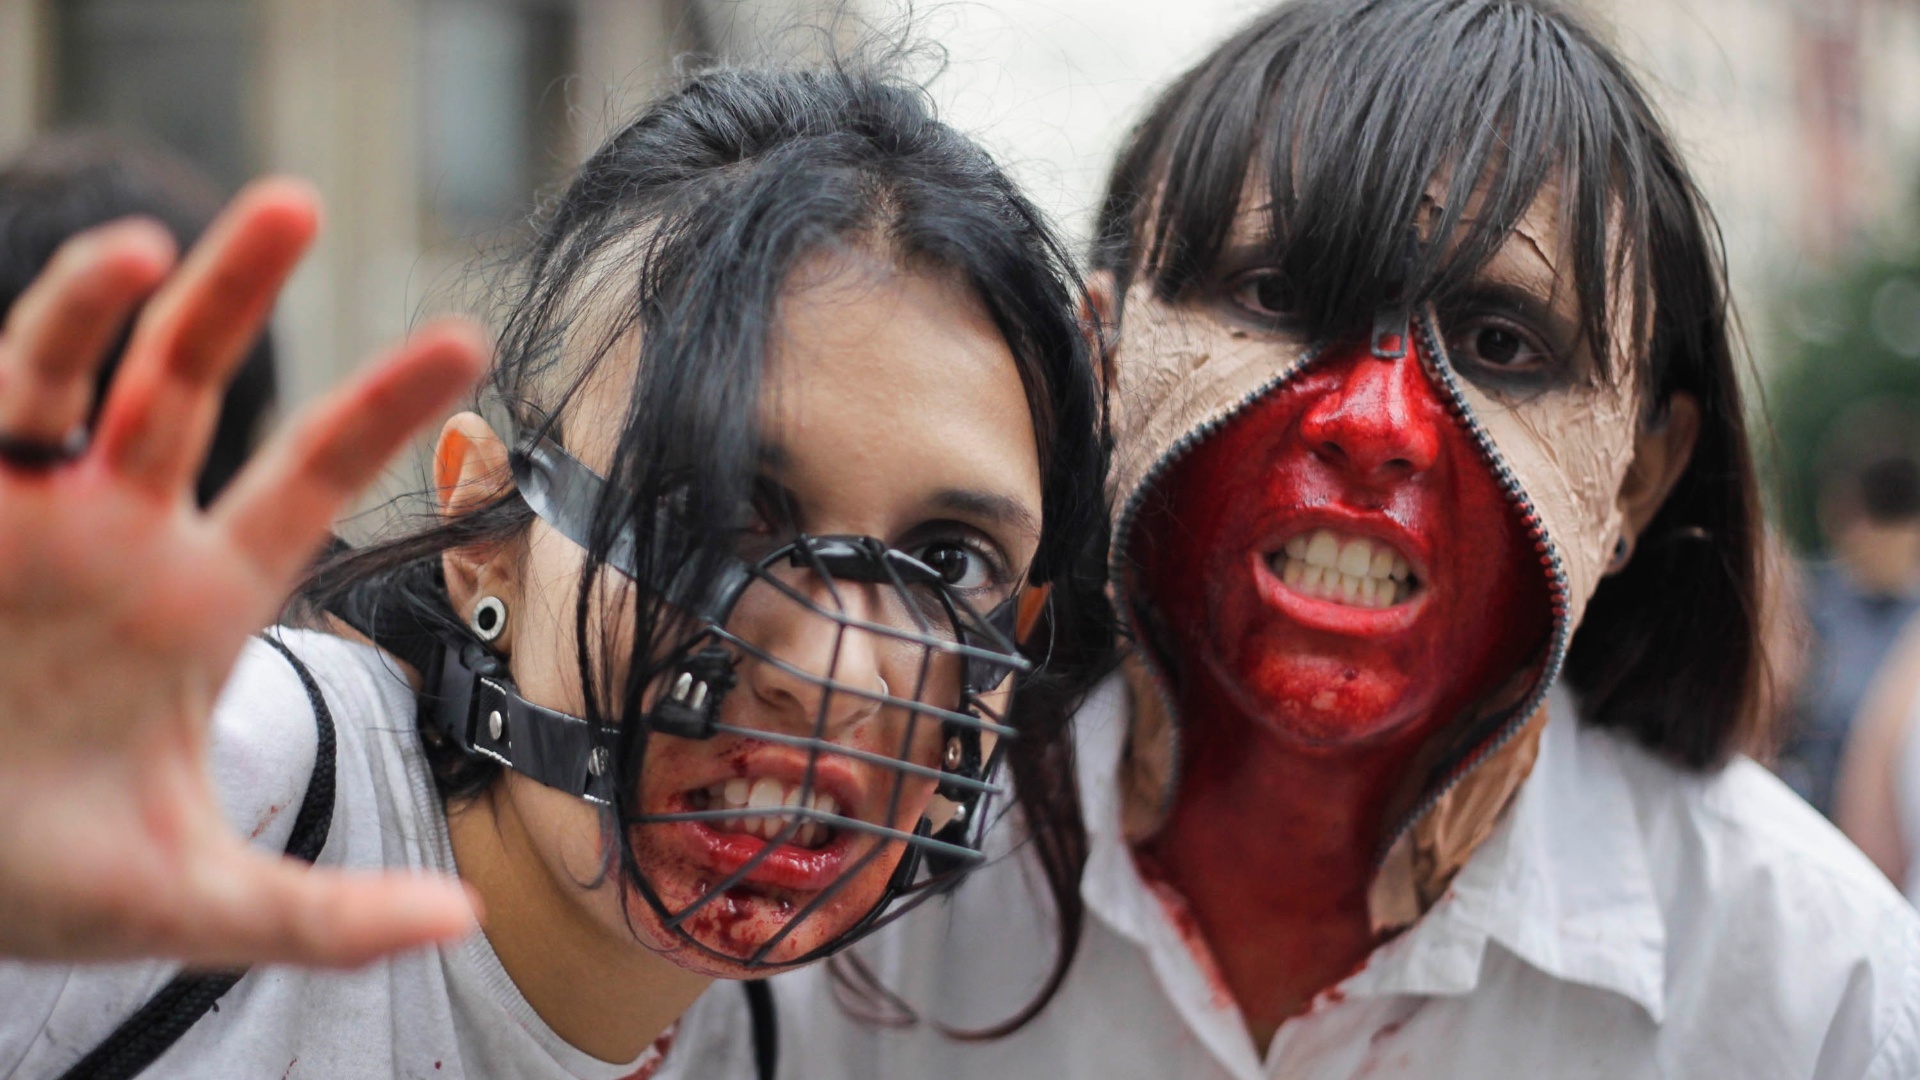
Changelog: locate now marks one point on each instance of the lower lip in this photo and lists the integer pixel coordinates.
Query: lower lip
(787, 866)
(1334, 618)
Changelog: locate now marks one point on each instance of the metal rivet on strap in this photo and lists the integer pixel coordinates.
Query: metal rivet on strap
(598, 761)
(495, 725)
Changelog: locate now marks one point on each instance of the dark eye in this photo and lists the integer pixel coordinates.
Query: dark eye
(1498, 344)
(1261, 293)
(772, 509)
(958, 566)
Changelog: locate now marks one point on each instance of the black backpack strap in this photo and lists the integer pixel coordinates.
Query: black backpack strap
(766, 1028)
(177, 1006)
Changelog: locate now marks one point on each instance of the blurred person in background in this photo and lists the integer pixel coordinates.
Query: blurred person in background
(1858, 599)
(66, 184)
(1876, 797)
(1873, 588)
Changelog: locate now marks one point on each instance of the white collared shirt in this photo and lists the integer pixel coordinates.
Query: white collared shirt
(1625, 919)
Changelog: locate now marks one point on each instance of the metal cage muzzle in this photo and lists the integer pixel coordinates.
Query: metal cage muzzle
(484, 712)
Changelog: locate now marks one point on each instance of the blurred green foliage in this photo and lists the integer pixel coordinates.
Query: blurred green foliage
(1849, 341)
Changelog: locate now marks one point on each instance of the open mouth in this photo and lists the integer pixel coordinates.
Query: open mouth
(1357, 571)
(766, 809)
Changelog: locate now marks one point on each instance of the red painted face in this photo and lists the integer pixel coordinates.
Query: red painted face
(1339, 563)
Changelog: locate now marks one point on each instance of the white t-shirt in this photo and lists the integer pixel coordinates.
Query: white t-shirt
(1626, 919)
(438, 1013)
(1906, 799)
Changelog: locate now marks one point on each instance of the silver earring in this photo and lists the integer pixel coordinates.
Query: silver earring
(489, 618)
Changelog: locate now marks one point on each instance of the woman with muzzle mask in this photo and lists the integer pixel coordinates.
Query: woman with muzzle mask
(698, 667)
(1436, 530)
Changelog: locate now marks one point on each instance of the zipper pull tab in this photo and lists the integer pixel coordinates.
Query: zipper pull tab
(1390, 330)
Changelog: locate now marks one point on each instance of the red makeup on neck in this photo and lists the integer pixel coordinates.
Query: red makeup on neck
(1341, 576)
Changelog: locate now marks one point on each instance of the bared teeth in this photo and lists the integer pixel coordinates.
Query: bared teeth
(1345, 569)
(767, 803)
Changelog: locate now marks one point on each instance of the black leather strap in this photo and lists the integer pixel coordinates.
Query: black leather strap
(140, 1039)
(766, 1028)
(552, 747)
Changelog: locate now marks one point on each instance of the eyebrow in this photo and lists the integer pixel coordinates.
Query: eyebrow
(985, 506)
(1003, 510)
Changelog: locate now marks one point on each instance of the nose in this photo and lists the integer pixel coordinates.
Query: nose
(806, 650)
(1379, 417)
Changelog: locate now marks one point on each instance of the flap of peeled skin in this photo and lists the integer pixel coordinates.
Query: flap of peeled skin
(1177, 379)
(1173, 380)
(1570, 450)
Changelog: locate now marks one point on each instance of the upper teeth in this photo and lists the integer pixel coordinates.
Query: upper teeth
(767, 794)
(1349, 569)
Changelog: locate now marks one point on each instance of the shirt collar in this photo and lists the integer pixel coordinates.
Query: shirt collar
(1563, 883)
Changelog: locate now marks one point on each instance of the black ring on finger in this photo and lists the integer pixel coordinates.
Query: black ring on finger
(34, 455)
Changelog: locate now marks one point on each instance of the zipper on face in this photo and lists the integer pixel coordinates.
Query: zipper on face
(1559, 632)
(1440, 367)
(1119, 550)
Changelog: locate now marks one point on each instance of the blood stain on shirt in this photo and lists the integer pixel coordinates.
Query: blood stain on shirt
(1180, 915)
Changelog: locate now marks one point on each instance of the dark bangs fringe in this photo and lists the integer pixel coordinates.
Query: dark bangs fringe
(1333, 120)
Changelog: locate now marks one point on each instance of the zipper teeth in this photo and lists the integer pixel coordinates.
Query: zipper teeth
(1557, 588)
(1557, 591)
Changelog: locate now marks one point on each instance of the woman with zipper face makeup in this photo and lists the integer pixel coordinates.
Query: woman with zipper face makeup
(699, 669)
(1435, 531)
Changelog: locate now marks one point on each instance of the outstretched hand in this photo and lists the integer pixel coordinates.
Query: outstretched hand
(123, 607)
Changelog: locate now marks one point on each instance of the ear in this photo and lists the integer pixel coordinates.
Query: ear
(1027, 614)
(1100, 317)
(1660, 456)
(470, 469)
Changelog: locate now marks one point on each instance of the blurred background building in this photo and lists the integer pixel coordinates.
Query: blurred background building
(430, 124)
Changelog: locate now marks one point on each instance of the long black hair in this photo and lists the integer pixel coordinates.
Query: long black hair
(1342, 115)
(676, 239)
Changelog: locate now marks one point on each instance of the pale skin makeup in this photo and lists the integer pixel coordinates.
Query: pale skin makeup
(1306, 696)
(892, 408)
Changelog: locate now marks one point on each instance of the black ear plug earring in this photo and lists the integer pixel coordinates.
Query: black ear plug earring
(1622, 551)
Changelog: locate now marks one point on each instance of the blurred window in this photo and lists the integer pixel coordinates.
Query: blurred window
(171, 70)
(494, 96)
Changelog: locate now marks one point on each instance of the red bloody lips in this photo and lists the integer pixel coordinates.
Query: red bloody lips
(777, 790)
(787, 866)
(1343, 573)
